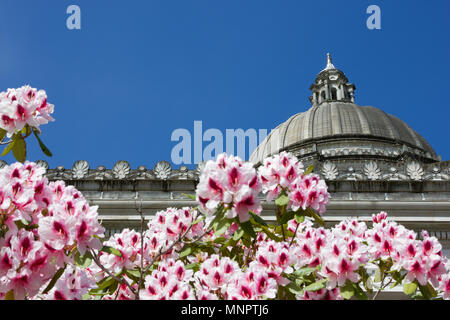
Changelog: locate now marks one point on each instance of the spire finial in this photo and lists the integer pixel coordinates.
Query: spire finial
(329, 62)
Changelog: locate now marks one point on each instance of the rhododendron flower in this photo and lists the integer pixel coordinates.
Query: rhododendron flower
(73, 284)
(231, 183)
(445, 286)
(128, 244)
(169, 282)
(53, 219)
(322, 294)
(278, 172)
(308, 191)
(21, 106)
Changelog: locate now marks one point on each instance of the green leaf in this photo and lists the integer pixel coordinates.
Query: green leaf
(187, 250)
(270, 234)
(248, 228)
(220, 213)
(347, 291)
(105, 283)
(258, 219)
(282, 200)
(377, 277)
(112, 250)
(359, 292)
(2, 134)
(193, 266)
(222, 226)
(428, 291)
(294, 288)
(20, 149)
(83, 261)
(190, 196)
(318, 285)
(300, 218)
(311, 213)
(55, 278)
(238, 234)
(8, 148)
(309, 170)
(409, 288)
(133, 274)
(44, 149)
(304, 271)
(198, 220)
(287, 217)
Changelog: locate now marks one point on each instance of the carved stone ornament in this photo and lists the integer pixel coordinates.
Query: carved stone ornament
(121, 170)
(351, 174)
(162, 170)
(437, 175)
(372, 171)
(414, 171)
(80, 169)
(42, 164)
(329, 170)
(394, 175)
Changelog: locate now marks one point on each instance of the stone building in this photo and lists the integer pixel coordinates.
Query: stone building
(372, 162)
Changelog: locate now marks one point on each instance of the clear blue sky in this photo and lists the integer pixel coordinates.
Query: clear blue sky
(137, 70)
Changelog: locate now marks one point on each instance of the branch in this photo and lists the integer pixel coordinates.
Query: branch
(139, 210)
(120, 280)
(180, 237)
(295, 234)
(382, 286)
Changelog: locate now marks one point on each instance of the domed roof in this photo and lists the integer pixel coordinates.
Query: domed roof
(340, 122)
(337, 127)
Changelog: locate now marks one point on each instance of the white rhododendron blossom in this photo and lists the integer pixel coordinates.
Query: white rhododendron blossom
(24, 105)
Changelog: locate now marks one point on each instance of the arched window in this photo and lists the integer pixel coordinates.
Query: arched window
(323, 96)
(333, 93)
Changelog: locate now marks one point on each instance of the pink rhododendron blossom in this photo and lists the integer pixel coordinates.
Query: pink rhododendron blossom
(278, 172)
(21, 106)
(169, 282)
(42, 221)
(73, 284)
(49, 227)
(231, 183)
(308, 192)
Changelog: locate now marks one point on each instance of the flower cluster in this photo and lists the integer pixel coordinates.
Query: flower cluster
(41, 224)
(164, 229)
(128, 243)
(284, 173)
(48, 229)
(222, 277)
(422, 259)
(343, 253)
(73, 284)
(279, 173)
(231, 183)
(169, 282)
(22, 106)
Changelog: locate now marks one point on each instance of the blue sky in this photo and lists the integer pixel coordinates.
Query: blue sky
(138, 70)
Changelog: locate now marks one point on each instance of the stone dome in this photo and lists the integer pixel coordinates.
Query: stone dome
(344, 123)
(336, 126)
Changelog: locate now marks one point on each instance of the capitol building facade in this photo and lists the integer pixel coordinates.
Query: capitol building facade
(371, 161)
